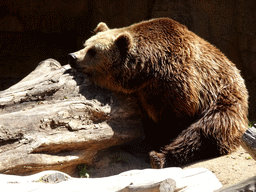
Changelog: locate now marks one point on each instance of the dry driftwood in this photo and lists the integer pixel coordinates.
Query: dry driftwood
(249, 141)
(244, 186)
(56, 119)
(163, 180)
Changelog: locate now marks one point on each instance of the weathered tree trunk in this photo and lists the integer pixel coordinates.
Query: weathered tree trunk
(56, 119)
(248, 141)
(153, 180)
(243, 186)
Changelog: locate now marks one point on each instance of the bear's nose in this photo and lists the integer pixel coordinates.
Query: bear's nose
(72, 59)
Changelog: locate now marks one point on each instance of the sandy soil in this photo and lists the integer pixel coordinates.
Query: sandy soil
(229, 169)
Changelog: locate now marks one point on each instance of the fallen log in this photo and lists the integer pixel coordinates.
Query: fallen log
(248, 141)
(243, 186)
(163, 180)
(56, 119)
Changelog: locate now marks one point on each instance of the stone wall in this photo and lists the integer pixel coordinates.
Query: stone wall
(31, 31)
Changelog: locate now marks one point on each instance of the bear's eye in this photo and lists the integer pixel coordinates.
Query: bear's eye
(91, 52)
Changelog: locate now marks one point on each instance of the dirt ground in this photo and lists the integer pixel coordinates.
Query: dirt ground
(229, 169)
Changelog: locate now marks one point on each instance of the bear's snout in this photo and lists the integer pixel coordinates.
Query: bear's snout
(72, 59)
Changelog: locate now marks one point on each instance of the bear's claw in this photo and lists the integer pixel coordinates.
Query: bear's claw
(157, 160)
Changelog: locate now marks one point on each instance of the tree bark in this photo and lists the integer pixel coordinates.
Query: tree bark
(56, 119)
(243, 186)
(153, 180)
(248, 141)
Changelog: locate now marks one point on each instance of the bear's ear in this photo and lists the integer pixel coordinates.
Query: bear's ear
(101, 27)
(124, 42)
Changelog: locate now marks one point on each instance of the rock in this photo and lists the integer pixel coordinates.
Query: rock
(56, 119)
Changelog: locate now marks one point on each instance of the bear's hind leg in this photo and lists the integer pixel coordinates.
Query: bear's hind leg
(217, 133)
(185, 147)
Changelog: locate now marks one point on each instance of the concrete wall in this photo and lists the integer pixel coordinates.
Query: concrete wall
(31, 31)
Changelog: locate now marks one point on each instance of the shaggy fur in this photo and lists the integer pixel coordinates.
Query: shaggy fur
(195, 97)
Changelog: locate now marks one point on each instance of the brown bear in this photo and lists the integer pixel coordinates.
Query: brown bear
(194, 95)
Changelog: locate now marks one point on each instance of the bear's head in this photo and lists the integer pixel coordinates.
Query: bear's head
(132, 58)
(103, 57)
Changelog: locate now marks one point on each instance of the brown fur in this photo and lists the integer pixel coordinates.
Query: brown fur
(195, 96)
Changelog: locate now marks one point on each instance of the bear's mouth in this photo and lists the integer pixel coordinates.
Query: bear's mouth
(88, 74)
(81, 70)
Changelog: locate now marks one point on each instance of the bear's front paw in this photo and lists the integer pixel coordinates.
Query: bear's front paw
(157, 160)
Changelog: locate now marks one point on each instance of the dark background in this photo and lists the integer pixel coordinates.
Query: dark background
(31, 31)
